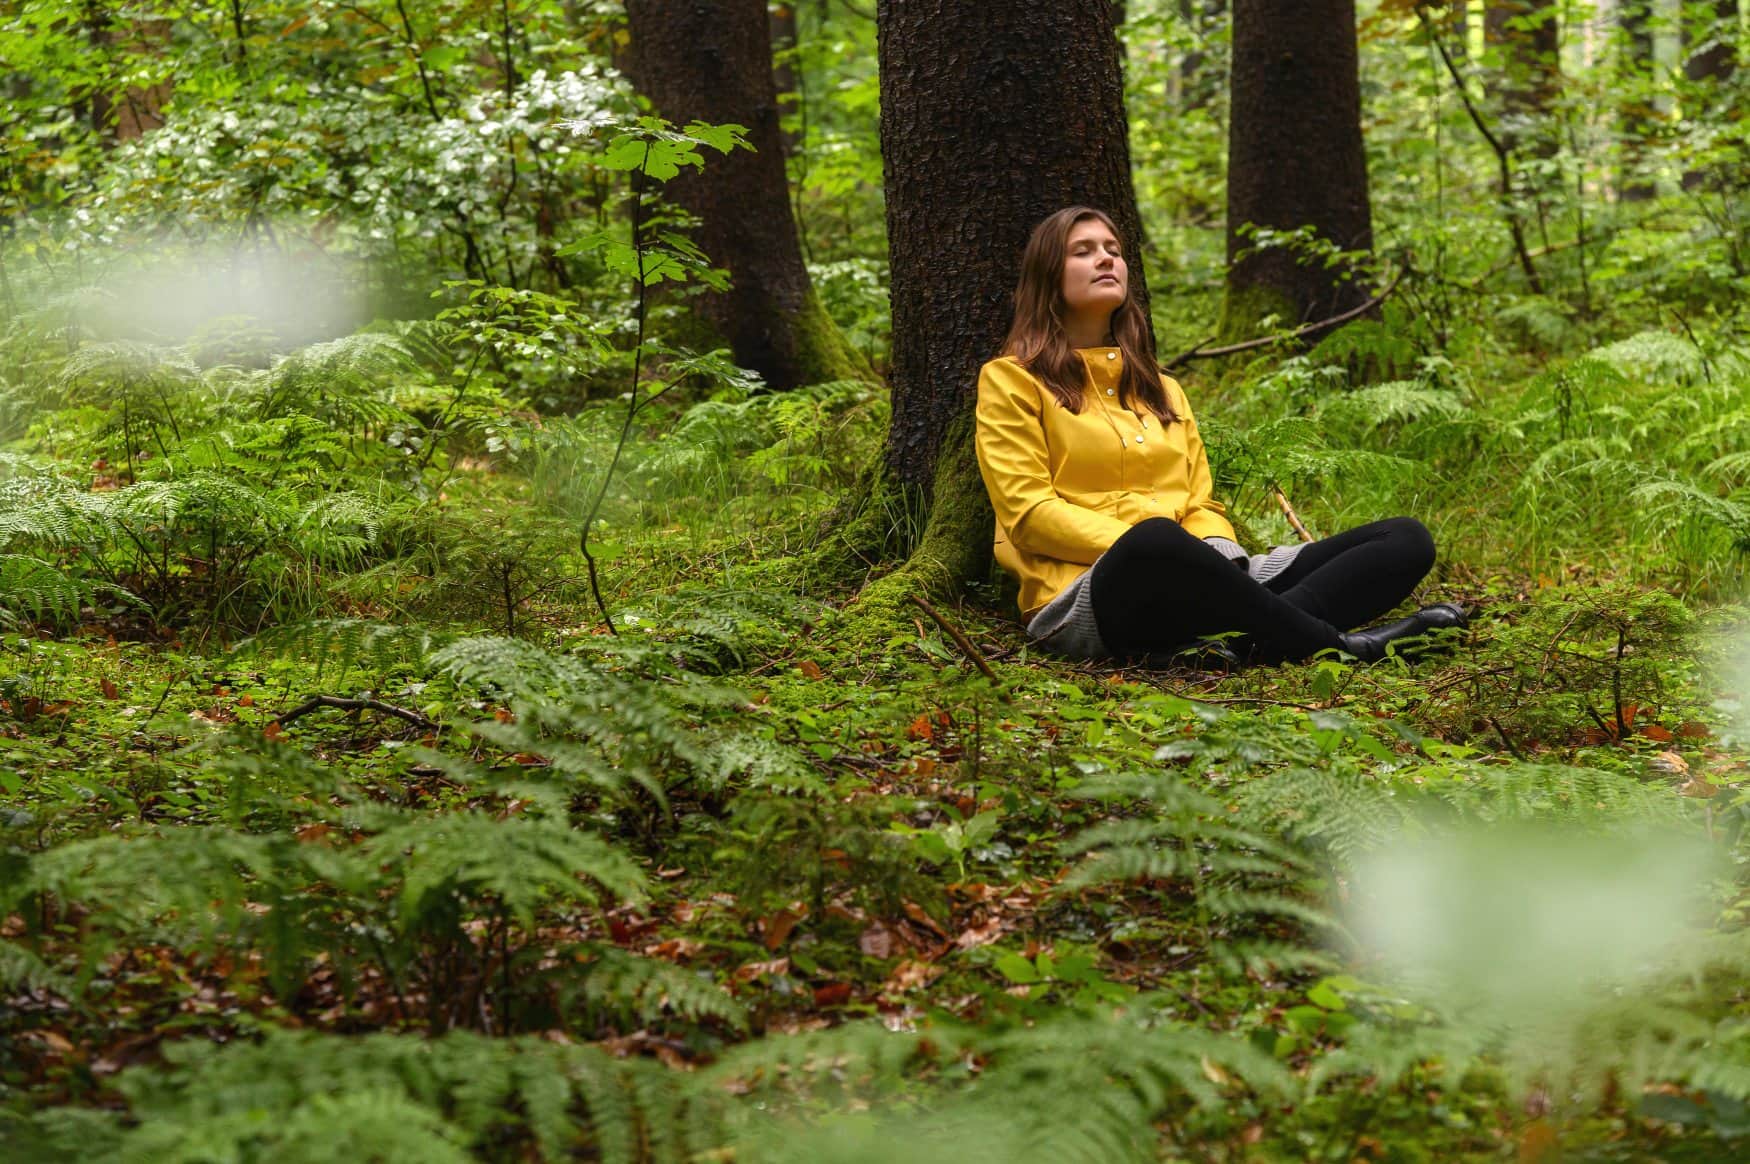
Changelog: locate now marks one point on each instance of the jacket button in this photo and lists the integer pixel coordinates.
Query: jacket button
(1139, 438)
(1111, 391)
(1111, 355)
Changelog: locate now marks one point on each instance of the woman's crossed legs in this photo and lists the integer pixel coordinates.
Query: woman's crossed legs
(1159, 588)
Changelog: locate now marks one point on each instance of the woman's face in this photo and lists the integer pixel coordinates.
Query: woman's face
(1095, 278)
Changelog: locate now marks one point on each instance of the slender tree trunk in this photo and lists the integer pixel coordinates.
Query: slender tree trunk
(785, 74)
(1523, 34)
(711, 60)
(992, 117)
(1295, 159)
(1711, 65)
(1200, 76)
(1636, 115)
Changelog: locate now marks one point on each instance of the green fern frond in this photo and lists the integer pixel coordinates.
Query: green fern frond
(1670, 502)
(32, 588)
(650, 990)
(1652, 357)
(457, 1095)
(343, 644)
(521, 863)
(344, 381)
(1396, 402)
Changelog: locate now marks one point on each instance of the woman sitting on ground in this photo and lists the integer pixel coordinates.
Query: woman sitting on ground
(1102, 490)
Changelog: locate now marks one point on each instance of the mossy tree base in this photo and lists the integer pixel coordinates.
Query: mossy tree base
(942, 541)
(822, 354)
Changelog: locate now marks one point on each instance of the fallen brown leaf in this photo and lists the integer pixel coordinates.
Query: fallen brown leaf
(832, 994)
(1670, 763)
(910, 975)
(777, 927)
(980, 935)
(752, 970)
(877, 941)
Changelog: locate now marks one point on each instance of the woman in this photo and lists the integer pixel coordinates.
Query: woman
(1102, 490)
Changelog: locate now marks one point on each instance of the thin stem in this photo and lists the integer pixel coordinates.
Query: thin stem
(237, 28)
(1503, 156)
(631, 398)
(412, 46)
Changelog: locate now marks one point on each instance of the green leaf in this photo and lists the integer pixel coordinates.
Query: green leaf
(721, 138)
(1016, 969)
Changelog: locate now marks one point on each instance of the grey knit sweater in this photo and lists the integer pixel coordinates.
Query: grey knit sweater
(1065, 625)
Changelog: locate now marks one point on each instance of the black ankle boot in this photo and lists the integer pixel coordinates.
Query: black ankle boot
(1369, 645)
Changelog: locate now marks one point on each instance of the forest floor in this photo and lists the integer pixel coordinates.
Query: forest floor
(815, 824)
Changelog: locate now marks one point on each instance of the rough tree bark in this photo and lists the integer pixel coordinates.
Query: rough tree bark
(1295, 159)
(1523, 34)
(1711, 64)
(1636, 115)
(711, 60)
(992, 116)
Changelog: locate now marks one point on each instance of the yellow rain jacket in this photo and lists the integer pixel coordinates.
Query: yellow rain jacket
(1065, 485)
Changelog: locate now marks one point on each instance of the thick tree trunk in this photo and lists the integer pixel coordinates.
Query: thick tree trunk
(1523, 35)
(1636, 115)
(992, 116)
(1711, 64)
(1295, 159)
(711, 60)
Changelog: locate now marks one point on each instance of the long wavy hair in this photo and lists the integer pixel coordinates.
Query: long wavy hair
(1036, 337)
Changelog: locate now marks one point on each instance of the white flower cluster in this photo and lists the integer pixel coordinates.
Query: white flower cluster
(350, 167)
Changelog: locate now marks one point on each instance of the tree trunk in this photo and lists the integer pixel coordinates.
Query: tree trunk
(1524, 35)
(1295, 159)
(711, 60)
(785, 75)
(992, 117)
(1710, 66)
(1715, 59)
(1636, 114)
(1199, 77)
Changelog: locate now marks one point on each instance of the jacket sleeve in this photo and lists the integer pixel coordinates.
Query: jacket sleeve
(1012, 457)
(1204, 515)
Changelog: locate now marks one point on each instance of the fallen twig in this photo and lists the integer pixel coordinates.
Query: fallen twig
(1202, 353)
(341, 703)
(955, 633)
(1506, 739)
(1288, 512)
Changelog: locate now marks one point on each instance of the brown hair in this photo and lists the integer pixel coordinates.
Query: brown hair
(1036, 338)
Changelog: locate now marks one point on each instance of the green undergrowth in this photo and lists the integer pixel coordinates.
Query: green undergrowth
(336, 825)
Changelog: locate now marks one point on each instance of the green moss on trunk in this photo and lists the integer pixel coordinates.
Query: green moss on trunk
(822, 353)
(954, 547)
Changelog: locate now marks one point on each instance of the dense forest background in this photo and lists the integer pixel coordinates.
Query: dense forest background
(499, 657)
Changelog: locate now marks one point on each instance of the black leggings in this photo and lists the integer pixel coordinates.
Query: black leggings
(1158, 589)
